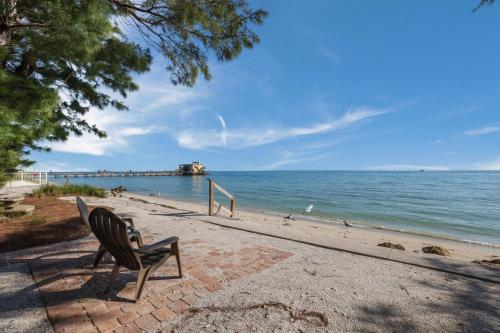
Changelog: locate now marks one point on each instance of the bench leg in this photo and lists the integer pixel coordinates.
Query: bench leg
(114, 273)
(142, 277)
(99, 255)
(175, 247)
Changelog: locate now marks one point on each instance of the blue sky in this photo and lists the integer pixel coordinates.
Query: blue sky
(332, 85)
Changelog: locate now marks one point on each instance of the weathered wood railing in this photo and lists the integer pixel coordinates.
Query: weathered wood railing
(38, 178)
(212, 186)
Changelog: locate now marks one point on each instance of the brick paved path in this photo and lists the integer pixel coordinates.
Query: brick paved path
(75, 297)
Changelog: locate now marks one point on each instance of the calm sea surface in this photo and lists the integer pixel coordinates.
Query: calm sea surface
(461, 205)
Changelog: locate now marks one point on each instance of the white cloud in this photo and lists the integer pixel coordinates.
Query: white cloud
(133, 131)
(329, 54)
(247, 137)
(155, 102)
(115, 123)
(289, 158)
(320, 145)
(91, 145)
(408, 167)
(223, 133)
(166, 97)
(55, 166)
(482, 130)
(491, 165)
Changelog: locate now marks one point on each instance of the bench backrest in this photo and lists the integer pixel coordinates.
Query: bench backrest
(112, 233)
(84, 211)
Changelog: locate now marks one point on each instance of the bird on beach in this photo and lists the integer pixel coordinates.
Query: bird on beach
(347, 224)
(308, 209)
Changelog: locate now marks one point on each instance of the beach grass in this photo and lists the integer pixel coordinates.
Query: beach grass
(75, 189)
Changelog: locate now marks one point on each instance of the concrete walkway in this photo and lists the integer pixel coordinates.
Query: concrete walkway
(19, 183)
(21, 307)
(18, 188)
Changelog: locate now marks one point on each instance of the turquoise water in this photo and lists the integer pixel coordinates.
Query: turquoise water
(461, 205)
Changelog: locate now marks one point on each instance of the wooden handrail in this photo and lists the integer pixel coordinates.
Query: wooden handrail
(211, 199)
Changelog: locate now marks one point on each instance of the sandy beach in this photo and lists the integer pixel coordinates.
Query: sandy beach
(299, 225)
(354, 293)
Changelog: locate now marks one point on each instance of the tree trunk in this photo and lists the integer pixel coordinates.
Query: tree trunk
(8, 17)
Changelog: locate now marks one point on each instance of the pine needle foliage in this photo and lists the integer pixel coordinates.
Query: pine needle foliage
(61, 58)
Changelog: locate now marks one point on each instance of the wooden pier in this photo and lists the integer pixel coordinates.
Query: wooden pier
(129, 173)
(191, 169)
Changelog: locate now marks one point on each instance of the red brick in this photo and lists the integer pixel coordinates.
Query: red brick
(106, 325)
(266, 263)
(187, 290)
(63, 319)
(143, 309)
(174, 296)
(249, 270)
(190, 299)
(214, 287)
(147, 322)
(178, 306)
(113, 305)
(198, 285)
(108, 315)
(186, 283)
(96, 309)
(163, 313)
(202, 292)
(73, 280)
(158, 300)
(83, 327)
(128, 317)
(207, 279)
(131, 328)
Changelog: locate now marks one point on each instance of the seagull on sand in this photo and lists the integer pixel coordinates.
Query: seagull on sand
(347, 224)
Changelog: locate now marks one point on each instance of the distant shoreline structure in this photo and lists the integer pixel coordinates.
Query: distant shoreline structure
(190, 169)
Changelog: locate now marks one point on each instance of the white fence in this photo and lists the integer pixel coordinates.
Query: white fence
(27, 178)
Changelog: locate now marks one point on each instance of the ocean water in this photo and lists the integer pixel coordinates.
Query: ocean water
(459, 205)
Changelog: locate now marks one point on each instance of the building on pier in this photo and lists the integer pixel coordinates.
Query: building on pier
(191, 169)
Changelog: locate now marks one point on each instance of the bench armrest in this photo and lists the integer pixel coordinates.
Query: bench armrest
(128, 220)
(165, 242)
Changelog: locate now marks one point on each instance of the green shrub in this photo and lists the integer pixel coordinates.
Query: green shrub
(3, 179)
(76, 189)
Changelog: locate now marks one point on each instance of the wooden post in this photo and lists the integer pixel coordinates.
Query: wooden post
(210, 197)
(212, 186)
(233, 207)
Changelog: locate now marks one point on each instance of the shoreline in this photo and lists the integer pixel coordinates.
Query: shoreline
(334, 221)
(356, 235)
(389, 208)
